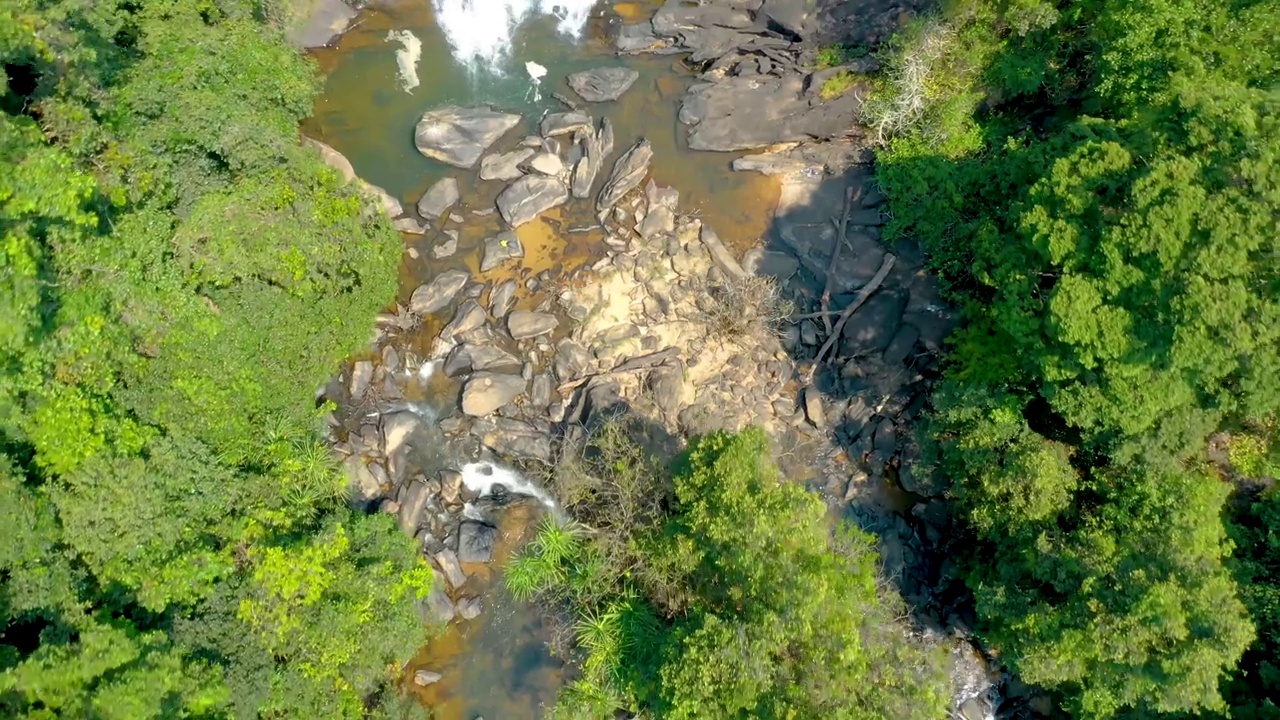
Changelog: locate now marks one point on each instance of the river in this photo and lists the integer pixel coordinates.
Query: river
(499, 665)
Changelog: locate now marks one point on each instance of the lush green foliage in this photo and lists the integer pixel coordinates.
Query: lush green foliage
(1097, 184)
(177, 276)
(737, 602)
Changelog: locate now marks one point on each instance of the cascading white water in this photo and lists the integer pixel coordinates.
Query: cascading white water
(483, 477)
(480, 31)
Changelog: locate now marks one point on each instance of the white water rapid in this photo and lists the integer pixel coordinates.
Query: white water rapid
(480, 31)
(406, 58)
(483, 477)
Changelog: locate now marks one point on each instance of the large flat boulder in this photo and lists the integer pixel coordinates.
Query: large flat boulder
(486, 392)
(437, 200)
(504, 166)
(740, 113)
(467, 358)
(873, 326)
(475, 542)
(438, 293)
(603, 84)
(530, 196)
(459, 136)
(500, 248)
(565, 123)
(628, 172)
(526, 324)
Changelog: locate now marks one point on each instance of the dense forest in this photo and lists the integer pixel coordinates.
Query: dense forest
(177, 279)
(1098, 185)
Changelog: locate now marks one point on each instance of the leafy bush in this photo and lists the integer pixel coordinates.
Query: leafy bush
(179, 276)
(737, 601)
(1096, 183)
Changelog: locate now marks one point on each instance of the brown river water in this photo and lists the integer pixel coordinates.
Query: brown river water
(498, 666)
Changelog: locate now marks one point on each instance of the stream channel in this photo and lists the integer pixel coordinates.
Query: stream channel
(498, 665)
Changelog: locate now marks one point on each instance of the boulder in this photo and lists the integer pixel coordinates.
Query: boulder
(813, 407)
(547, 164)
(504, 166)
(500, 248)
(528, 197)
(660, 220)
(469, 608)
(437, 200)
(584, 175)
(602, 84)
(797, 17)
(628, 172)
(412, 226)
(659, 196)
(410, 514)
(396, 429)
(518, 440)
(475, 542)
(501, 299)
(605, 138)
(720, 254)
(526, 324)
(447, 247)
(667, 386)
(361, 376)
(640, 38)
(903, 343)
(823, 158)
(438, 605)
(572, 360)
(447, 561)
(459, 136)
(486, 392)
(677, 16)
(324, 22)
(438, 293)
(423, 678)
(872, 327)
(540, 393)
(467, 358)
(565, 123)
(771, 263)
(468, 317)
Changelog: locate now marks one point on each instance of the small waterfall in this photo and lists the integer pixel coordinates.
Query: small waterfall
(481, 30)
(483, 477)
(406, 58)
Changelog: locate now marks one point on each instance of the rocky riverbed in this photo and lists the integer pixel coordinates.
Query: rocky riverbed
(821, 332)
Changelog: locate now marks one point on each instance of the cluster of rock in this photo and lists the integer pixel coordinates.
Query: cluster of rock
(759, 83)
(841, 381)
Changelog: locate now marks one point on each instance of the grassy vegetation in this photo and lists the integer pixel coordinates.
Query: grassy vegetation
(837, 85)
(714, 590)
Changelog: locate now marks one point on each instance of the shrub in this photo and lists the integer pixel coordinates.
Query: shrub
(736, 600)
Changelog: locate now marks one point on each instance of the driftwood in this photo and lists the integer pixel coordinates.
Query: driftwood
(885, 266)
(835, 256)
(640, 362)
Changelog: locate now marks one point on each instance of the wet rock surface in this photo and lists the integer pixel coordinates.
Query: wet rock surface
(459, 136)
(602, 84)
(530, 196)
(628, 172)
(438, 199)
(438, 293)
